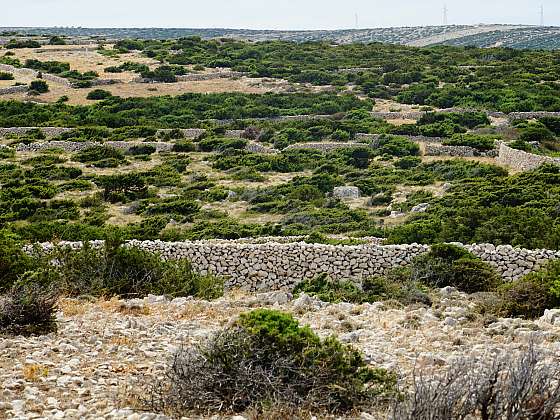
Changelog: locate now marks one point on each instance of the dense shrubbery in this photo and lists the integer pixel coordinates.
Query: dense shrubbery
(100, 156)
(127, 271)
(182, 111)
(266, 359)
(6, 76)
(449, 265)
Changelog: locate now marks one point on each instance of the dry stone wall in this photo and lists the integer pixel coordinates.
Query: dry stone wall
(513, 116)
(33, 73)
(14, 89)
(520, 160)
(49, 132)
(273, 265)
(457, 151)
(327, 146)
(74, 146)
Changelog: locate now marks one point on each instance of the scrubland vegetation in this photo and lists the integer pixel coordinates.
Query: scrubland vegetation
(212, 186)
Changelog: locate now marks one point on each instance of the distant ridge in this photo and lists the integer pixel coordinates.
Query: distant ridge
(514, 36)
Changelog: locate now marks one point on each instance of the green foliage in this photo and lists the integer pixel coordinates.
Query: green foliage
(450, 265)
(265, 358)
(397, 146)
(396, 286)
(129, 186)
(221, 144)
(54, 67)
(6, 76)
(127, 271)
(100, 156)
(529, 296)
(98, 94)
(26, 43)
(39, 86)
(13, 261)
(479, 142)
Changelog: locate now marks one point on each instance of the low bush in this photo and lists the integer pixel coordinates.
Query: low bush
(142, 149)
(450, 265)
(477, 141)
(184, 146)
(6, 76)
(28, 308)
(100, 156)
(128, 272)
(98, 94)
(13, 261)
(39, 86)
(529, 296)
(396, 286)
(266, 358)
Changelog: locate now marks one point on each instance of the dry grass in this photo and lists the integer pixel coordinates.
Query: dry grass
(34, 372)
(73, 307)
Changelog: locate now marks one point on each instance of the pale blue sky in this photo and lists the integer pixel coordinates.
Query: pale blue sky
(267, 14)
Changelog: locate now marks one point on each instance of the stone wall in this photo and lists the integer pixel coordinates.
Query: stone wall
(259, 148)
(522, 161)
(49, 132)
(33, 73)
(273, 265)
(74, 146)
(188, 133)
(457, 151)
(327, 146)
(14, 89)
(513, 116)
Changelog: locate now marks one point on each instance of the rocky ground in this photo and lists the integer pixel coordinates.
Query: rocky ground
(92, 366)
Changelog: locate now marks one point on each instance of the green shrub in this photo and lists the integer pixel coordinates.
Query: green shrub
(248, 174)
(98, 94)
(6, 76)
(221, 144)
(529, 296)
(100, 156)
(477, 141)
(327, 290)
(142, 149)
(397, 146)
(264, 359)
(450, 265)
(396, 286)
(183, 146)
(39, 86)
(28, 308)
(408, 162)
(13, 261)
(131, 186)
(128, 271)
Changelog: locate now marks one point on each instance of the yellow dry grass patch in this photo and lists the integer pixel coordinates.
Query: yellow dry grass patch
(34, 372)
(73, 307)
(201, 311)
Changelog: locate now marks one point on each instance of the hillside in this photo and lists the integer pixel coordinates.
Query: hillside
(218, 228)
(514, 36)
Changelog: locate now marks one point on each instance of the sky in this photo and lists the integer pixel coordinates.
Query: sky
(268, 14)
